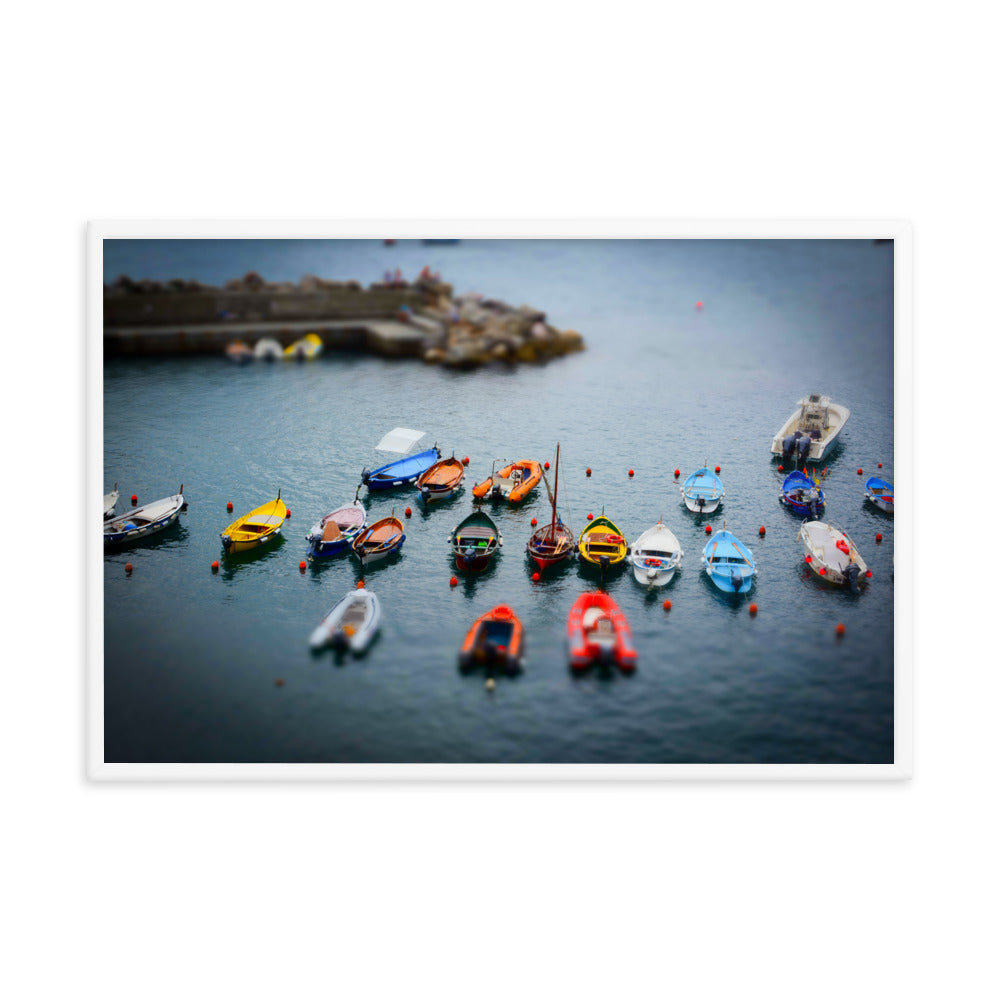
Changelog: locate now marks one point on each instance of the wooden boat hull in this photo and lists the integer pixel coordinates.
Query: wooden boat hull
(350, 624)
(818, 419)
(831, 555)
(801, 495)
(380, 540)
(149, 519)
(880, 492)
(475, 542)
(601, 544)
(403, 472)
(512, 483)
(703, 492)
(729, 564)
(598, 632)
(333, 534)
(261, 526)
(442, 480)
(495, 640)
(656, 556)
(548, 547)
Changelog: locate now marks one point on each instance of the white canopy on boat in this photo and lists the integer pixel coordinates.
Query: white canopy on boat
(400, 440)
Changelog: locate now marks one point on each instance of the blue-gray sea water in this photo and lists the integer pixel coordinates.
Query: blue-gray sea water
(192, 657)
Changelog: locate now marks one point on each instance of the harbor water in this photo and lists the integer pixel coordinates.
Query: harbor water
(696, 352)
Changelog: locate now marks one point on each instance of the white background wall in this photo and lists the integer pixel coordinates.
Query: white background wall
(721, 111)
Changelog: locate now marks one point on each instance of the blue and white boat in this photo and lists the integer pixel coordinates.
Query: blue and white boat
(403, 471)
(881, 493)
(729, 563)
(143, 521)
(702, 491)
(335, 532)
(801, 493)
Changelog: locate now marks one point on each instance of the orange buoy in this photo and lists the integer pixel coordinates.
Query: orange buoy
(667, 605)
(128, 567)
(536, 576)
(229, 506)
(279, 682)
(698, 305)
(408, 512)
(762, 531)
(546, 465)
(708, 529)
(841, 629)
(135, 499)
(302, 566)
(878, 537)
(631, 472)
(590, 517)
(588, 472)
(215, 566)
(360, 585)
(753, 609)
(454, 581)
(534, 521)
(465, 461)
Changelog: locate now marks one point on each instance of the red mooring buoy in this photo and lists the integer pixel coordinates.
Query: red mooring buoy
(841, 629)
(708, 529)
(546, 465)
(360, 585)
(677, 472)
(135, 499)
(229, 506)
(453, 581)
(590, 517)
(718, 468)
(878, 537)
(536, 576)
(762, 531)
(215, 566)
(128, 567)
(861, 472)
(781, 468)
(408, 512)
(288, 512)
(667, 605)
(465, 461)
(588, 472)
(302, 566)
(534, 521)
(753, 609)
(631, 473)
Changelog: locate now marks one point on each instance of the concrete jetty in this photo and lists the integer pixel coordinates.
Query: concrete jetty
(418, 319)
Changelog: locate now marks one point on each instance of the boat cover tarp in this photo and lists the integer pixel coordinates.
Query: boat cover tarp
(399, 440)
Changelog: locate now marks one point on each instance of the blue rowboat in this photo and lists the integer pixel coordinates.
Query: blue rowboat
(800, 493)
(402, 472)
(333, 534)
(881, 493)
(703, 491)
(729, 563)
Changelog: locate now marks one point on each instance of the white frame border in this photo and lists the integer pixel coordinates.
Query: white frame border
(899, 231)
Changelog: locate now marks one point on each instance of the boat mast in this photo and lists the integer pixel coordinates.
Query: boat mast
(552, 530)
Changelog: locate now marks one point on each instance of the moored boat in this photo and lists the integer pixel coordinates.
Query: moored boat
(239, 351)
(881, 493)
(305, 348)
(144, 521)
(729, 563)
(656, 555)
(379, 540)
(442, 480)
(602, 544)
(403, 471)
(261, 525)
(496, 639)
(110, 502)
(475, 542)
(334, 533)
(350, 624)
(512, 483)
(268, 349)
(598, 632)
(811, 430)
(801, 493)
(702, 491)
(831, 554)
(554, 542)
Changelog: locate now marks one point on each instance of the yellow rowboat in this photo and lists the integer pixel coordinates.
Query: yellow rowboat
(602, 544)
(306, 348)
(256, 528)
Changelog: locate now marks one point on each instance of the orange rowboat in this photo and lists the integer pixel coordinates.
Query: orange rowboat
(443, 479)
(496, 639)
(513, 482)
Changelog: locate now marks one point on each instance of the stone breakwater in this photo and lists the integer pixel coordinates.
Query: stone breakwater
(420, 319)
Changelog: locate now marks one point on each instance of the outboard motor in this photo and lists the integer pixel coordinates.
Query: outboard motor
(787, 447)
(813, 506)
(226, 542)
(737, 582)
(365, 476)
(853, 575)
(339, 640)
(701, 503)
(802, 446)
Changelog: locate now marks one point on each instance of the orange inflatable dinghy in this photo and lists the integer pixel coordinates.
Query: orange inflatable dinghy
(496, 639)
(513, 482)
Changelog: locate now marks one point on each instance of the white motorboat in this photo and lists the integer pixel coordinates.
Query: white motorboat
(811, 430)
(831, 554)
(144, 521)
(268, 349)
(656, 555)
(350, 624)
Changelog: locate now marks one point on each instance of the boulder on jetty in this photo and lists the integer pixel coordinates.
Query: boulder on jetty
(459, 331)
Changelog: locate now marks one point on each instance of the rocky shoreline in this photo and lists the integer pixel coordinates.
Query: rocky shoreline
(422, 318)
